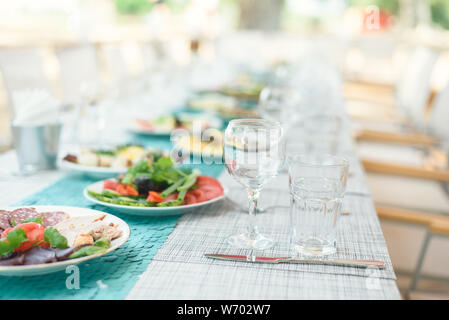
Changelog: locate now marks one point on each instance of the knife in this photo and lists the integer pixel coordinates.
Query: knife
(337, 262)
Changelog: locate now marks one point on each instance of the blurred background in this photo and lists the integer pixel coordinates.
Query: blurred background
(391, 54)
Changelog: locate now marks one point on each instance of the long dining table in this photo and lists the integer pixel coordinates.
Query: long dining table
(165, 256)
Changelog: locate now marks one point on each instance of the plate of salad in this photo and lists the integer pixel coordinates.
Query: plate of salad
(245, 87)
(108, 162)
(164, 125)
(226, 107)
(156, 189)
(44, 239)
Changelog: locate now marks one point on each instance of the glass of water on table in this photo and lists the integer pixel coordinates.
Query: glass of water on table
(254, 153)
(317, 186)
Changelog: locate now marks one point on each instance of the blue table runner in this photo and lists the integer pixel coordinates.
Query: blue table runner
(113, 275)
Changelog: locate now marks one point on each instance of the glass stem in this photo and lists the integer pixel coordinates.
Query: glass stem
(253, 196)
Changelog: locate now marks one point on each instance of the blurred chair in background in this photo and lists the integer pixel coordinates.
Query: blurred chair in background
(413, 92)
(409, 184)
(435, 225)
(415, 161)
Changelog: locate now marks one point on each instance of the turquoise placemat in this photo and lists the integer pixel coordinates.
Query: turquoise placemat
(113, 275)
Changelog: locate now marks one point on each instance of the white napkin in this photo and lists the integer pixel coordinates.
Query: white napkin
(35, 106)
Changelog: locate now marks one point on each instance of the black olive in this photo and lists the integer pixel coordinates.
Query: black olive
(145, 184)
(178, 122)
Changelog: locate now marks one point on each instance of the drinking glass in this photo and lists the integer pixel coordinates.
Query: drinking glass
(280, 103)
(254, 153)
(36, 146)
(322, 134)
(317, 186)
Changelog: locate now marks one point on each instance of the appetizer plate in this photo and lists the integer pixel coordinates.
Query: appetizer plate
(147, 211)
(38, 269)
(215, 122)
(94, 172)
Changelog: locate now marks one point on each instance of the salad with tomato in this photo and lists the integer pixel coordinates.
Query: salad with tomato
(159, 184)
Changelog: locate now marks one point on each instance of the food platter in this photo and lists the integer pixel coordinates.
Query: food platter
(96, 164)
(73, 213)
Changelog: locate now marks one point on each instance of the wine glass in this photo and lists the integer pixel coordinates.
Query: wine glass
(280, 103)
(254, 153)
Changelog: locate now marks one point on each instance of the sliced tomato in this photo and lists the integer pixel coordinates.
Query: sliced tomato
(154, 196)
(189, 198)
(35, 234)
(121, 188)
(126, 190)
(211, 191)
(206, 180)
(173, 196)
(131, 191)
(110, 185)
(143, 123)
(199, 195)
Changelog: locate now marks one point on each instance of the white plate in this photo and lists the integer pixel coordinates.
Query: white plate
(94, 172)
(38, 269)
(146, 211)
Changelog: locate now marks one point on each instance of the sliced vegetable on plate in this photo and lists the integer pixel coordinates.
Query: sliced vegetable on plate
(155, 188)
(165, 124)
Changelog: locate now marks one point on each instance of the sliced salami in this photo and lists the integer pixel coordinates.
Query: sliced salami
(4, 220)
(53, 218)
(21, 214)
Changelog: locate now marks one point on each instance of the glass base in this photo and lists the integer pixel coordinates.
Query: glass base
(244, 241)
(315, 247)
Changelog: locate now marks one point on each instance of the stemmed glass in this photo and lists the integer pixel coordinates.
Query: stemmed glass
(254, 153)
(280, 103)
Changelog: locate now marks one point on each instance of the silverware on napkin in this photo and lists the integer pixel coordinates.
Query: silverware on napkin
(337, 262)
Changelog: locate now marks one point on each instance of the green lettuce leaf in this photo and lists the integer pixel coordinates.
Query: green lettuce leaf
(13, 240)
(99, 246)
(56, 240)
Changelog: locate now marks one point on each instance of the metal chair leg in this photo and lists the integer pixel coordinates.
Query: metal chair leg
(419, 265)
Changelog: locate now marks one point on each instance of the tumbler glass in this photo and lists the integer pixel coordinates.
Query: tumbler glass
(317, 186)
(36, 146)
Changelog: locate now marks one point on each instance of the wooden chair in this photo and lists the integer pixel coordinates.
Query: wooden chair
(437, 225)
(432, 177)
(413, 94)
(437, 130)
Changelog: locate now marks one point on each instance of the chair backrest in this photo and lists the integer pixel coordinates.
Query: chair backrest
(78, 66)
(23, 69)
(439, 116)
(414, 87)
